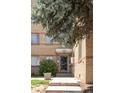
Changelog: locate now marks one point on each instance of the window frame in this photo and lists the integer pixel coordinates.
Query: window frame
(38, 37)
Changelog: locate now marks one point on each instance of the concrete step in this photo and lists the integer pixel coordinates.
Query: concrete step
(64, 89)
(64, 82)
(64, 75)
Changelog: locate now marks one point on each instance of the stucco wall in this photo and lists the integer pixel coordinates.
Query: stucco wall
(80, 63)
(84, 65)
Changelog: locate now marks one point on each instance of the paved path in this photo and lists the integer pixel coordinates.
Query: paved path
(62, 85)
(39, 89)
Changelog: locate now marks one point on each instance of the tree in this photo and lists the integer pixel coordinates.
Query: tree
(66, 21)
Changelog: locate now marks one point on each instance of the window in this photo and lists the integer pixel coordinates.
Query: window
(35, 60)
(35, 39)
(48, 40)
(49, 58)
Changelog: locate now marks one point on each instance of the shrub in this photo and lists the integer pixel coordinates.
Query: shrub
(47, 66)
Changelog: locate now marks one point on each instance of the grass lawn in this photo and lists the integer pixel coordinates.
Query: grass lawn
(38, 82)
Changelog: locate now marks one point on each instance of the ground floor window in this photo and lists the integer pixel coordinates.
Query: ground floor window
(35, 60)
(49, 58)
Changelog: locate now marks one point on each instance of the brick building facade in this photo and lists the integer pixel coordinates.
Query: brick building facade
(43, 48)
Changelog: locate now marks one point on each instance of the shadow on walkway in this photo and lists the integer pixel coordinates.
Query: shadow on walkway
(88, 90)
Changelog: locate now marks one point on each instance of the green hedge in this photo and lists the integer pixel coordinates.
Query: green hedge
(48, 66)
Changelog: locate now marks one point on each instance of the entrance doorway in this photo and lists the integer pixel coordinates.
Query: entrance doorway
(63, 63)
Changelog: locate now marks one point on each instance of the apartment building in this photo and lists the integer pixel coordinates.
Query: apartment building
(81, 65)
(43, 48)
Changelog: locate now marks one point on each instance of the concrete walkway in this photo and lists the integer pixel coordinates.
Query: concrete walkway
(61, 80)
(62, 85)
(65, 81)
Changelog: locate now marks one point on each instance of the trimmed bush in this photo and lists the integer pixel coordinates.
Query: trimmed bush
(48, 66)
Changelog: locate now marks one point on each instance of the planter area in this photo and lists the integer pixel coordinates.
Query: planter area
(39, 86)
(47, 76)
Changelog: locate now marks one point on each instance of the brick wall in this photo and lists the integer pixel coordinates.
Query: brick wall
(35, 70)
(44, 49)
(89, 59)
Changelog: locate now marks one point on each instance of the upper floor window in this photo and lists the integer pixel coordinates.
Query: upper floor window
(35, 39)
(48, 40)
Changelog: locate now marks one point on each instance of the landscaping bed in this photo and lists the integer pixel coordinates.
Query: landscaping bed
(39, 86)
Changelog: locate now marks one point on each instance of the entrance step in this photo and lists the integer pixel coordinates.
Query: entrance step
(64, 75)
(65, 82)
(64, 85)
(64, 89)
